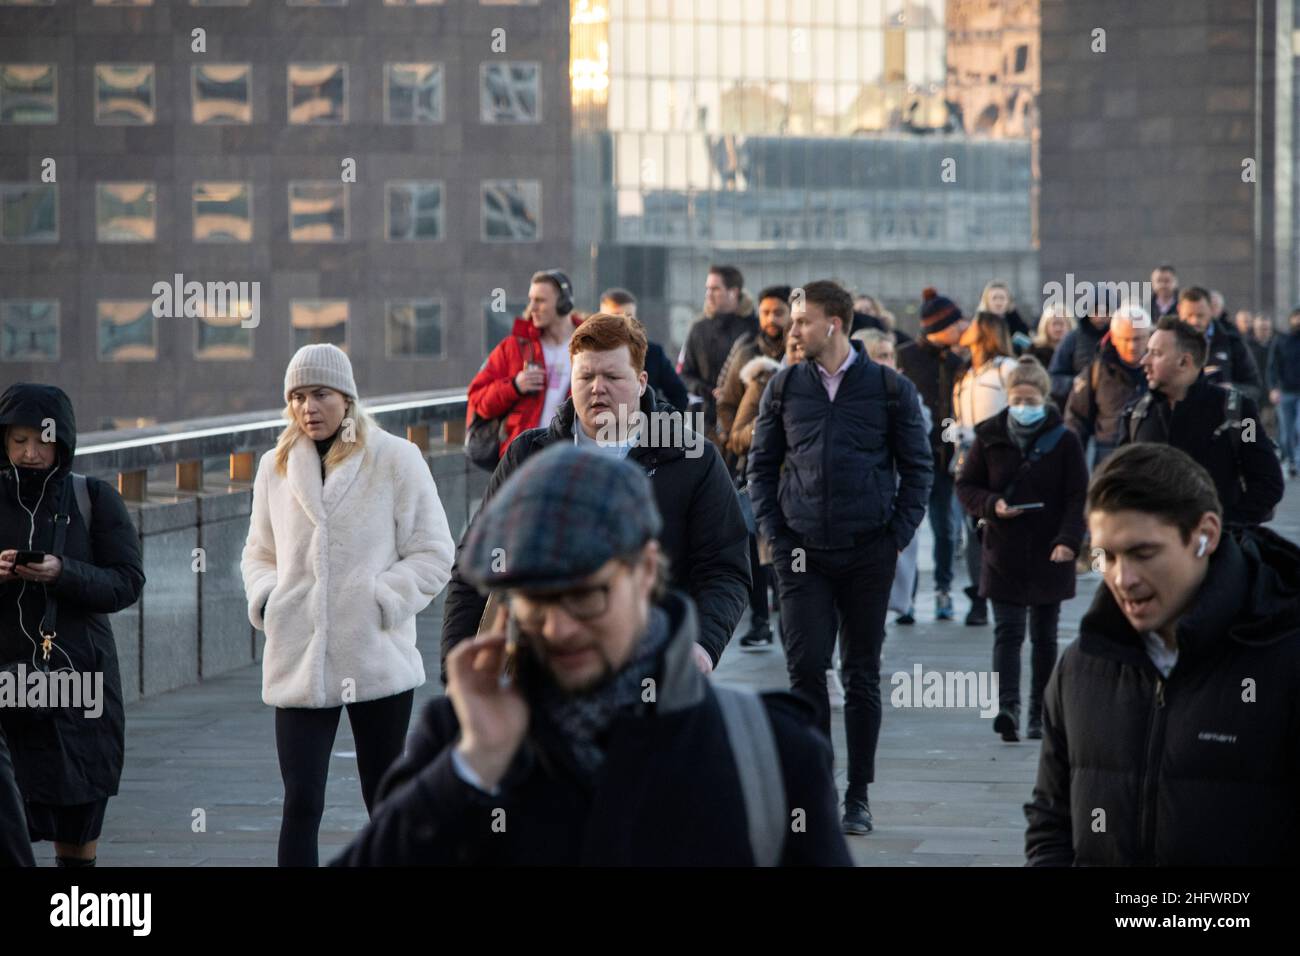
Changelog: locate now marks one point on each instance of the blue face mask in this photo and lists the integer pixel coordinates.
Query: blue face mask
(1028, 414)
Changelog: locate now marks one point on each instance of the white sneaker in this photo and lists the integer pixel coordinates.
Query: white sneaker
(835, 689)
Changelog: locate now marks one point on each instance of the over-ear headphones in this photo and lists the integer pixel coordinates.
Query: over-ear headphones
(1204, 543)
(564, 304)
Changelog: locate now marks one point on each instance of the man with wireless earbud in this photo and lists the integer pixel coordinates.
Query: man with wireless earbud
(1170, 730)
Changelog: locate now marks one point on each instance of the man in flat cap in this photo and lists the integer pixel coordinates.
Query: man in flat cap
(580, 730)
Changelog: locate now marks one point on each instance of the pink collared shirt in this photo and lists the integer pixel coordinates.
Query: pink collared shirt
(832, 382)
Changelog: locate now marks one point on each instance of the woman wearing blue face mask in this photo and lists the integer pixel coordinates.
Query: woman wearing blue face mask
(1024, 455)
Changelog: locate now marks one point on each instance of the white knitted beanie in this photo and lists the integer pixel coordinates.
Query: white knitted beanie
(320, 365)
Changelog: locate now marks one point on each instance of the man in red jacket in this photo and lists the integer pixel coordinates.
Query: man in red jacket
(526, 378)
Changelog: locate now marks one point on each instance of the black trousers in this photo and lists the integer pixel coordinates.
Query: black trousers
(846, 589)
(1008, 636)
(304, 737)
(15, 847)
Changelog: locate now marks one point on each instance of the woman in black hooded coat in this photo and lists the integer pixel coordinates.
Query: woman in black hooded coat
(67, 761)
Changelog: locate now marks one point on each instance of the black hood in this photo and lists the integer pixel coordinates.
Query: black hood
(32, 406)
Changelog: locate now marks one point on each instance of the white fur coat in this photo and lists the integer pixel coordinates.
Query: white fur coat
(343, 569)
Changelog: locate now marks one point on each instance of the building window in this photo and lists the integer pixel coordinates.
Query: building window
(29, 93)
(413, 92)
(512, 210)
(29, 330)
(498, 323)
(126, 212)
(318, 322)
(318, 212)
(128, 331)
(222, 338)
(414, 211)
(223, 212)
(124, 94)
(413, 328)
(29, 212)
(220, 93)
(318, 93)
(510, 92)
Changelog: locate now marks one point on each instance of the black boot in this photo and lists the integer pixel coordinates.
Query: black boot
(978, 615)
(1007, 724)
(1042, 659)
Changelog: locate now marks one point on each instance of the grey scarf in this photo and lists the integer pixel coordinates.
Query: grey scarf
(583, 719)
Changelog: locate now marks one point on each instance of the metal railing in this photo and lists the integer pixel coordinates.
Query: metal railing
(188, 445)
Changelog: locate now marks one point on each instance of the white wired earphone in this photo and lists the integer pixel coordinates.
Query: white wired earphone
(1204, 543)
(31, 536)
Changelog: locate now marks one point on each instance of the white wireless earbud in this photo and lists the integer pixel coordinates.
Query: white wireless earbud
(1204, 543)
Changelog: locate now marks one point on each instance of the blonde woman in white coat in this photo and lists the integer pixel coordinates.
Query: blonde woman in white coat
(980, 393)
(348, 542)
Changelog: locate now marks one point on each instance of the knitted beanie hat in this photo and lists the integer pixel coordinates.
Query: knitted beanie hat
(320, 365)
(937, 312)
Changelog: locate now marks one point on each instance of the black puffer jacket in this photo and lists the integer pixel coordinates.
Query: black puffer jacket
(668, 794)
(836, 472)
(69, 758)
(1199, 769)
(1230, 361)
(1247, 474)
(708, 343)
(1074, 354)
(703, 532)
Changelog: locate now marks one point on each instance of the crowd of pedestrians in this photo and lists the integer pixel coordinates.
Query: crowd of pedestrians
(637, 508)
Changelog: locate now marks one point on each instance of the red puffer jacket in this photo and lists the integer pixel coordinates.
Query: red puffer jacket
(492, 393)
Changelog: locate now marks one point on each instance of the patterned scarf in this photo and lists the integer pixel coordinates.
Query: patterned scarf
(582, 720)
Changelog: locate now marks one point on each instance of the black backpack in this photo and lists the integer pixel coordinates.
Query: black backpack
(484, 436)
(1231, 423)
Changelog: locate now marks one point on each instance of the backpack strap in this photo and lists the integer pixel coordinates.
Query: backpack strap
(778, 393)
(49, 620)
(758, 765)
(1041, 447)
(81, 489)
(1138, 415)
(1231, 412)
(1045, 443)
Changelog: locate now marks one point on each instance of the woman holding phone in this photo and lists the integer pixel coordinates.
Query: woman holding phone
(347, 542)
(1025, 480)
(69, 557)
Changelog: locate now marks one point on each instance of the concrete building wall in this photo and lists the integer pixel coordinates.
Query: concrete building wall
(460, 270)
(1143, 144)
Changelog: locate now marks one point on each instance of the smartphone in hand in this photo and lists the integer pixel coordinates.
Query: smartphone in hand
(29, 557)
